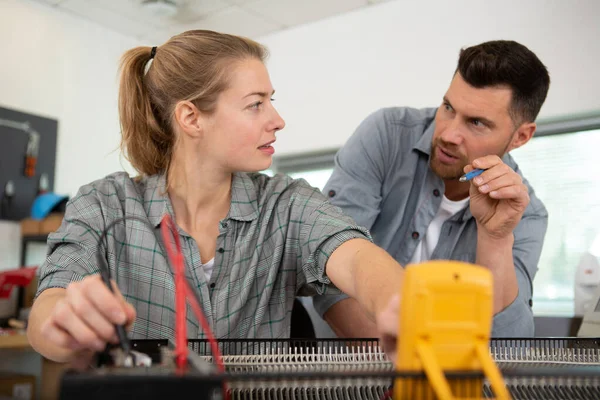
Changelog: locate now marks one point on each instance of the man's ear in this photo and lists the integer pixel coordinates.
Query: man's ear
(522, 135)
(188, 118)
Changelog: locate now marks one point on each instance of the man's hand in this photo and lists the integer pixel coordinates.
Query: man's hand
(498, 197)
(387, 326)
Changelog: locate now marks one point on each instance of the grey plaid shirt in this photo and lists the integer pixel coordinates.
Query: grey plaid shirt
(272, 246)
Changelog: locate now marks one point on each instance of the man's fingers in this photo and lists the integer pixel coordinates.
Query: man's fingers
(493, 165)
(500, 182)
(515, 192)
(494, 172)
(486, 162)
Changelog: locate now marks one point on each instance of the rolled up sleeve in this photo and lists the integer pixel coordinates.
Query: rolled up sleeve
(516, 320)
(322, 228)
(73, 248)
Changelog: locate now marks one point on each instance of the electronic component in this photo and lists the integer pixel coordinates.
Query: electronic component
(116, 357)
(137, 374)
(329, 369)
(444, 325)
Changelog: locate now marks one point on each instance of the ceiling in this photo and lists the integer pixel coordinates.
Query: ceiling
(250, 18)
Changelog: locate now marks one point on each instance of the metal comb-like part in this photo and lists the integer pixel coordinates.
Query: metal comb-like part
(348, 369)
(510, 353)
(320, 355)
(313, 359)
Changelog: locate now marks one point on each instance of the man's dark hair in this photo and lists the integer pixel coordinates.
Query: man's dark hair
(508, 63)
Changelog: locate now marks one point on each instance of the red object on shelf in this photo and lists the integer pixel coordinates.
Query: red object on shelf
(15, 277)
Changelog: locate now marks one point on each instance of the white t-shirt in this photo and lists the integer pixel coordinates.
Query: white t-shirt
(427, 244)
(208, 268)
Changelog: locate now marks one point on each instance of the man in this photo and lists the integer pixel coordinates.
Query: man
(398, 175)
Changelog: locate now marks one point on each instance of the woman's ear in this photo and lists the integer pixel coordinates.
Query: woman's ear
(188, 118)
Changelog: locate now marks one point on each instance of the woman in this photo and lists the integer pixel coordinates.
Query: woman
(197, 121)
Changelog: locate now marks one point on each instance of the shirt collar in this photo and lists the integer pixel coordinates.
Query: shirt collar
(244, 199)
(156, 199)
(424, 142)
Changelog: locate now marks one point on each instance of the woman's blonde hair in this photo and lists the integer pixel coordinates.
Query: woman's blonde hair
(193, 66)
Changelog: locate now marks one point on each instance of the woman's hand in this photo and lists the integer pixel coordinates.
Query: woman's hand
(84, 318)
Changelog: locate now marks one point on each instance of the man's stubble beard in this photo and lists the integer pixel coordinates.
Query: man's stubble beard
(446, 171)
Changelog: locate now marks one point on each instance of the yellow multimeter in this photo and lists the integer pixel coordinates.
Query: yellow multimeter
(444, 326)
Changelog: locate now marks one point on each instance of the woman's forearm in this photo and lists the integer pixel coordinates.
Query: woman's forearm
(365, 272)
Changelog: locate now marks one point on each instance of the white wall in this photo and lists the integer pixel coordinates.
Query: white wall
(59, 66)
(331, 74)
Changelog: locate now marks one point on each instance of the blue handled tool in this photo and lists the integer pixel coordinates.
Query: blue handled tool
(470, 175)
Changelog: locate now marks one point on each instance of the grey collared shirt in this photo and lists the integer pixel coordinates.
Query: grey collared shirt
(382, 179)
(272, 246)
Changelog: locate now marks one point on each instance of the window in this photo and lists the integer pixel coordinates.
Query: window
(564, 171)
(315, 168)
(562, 165)
(317, 178)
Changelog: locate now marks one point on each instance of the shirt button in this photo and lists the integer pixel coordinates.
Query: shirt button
(224, 224)
(331, 193)
(436, 193)
(212, 285)
(221, 250)
(415, 235)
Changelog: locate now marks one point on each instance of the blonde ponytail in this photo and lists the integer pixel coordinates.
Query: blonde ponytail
(146, 142)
